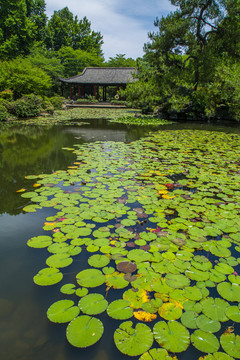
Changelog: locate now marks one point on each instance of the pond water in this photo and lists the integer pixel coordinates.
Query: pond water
(144, 172)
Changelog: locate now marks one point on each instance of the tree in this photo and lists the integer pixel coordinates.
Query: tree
(16, 29)
(36, 13)
(22, 77)
(120, 61)
(64, 29)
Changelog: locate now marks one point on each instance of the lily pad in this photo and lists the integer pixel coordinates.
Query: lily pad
(48, 276)
(215, 308)
(205, 342)
(177, 281)
(156, 354)
(126, 267)
(233, 313)
(133, 341)
(231, 344)
(116, 280)
(84, 331)
(170, 311)
(166, 334)
(68, 289)
(120, 310)
(90, 278)
(93, 304)
(59, 260)
(188, 319)
(206, 324)
(62, 311)
(228, 291)
(98, 261)
(39, 242)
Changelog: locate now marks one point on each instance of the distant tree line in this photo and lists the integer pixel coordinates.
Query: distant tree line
(35, 50)
(191, 66)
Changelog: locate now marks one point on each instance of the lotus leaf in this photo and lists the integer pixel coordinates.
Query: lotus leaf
(98, 261)
(62, 311)
(205, 342)
(108, 270)
(93, 304)
(224, 268)
(48, 276)
(228, 291)
(216, 356)
(136, 298)
(90, 278)
(167, 333)
(126, 267)
(197, 275)
(59, 260)
(133, 342)
(231, 344)
(84, 331)
(120, 310)
(40, 241)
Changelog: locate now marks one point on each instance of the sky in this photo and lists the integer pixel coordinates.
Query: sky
(124, 24)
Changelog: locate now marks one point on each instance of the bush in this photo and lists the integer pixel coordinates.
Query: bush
(27, 106)
(4, 115)
(57, 102)
(6, 94)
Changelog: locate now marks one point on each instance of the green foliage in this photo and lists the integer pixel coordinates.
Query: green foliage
(3, 113)
(6, 94)
(64, 29)
(57, 102)
(120, 61)
(27, 106)
(22, 77)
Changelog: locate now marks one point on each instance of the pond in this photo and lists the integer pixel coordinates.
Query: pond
(137, 230)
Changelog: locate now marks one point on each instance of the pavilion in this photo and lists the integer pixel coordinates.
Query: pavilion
(92, 78)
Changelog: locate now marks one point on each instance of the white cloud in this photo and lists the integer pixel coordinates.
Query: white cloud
(124, 24)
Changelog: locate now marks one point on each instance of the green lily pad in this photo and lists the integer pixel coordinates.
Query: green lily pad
(84, 331)
(177, 281)
(228, 291)
(166, 334)
(90, 278)
(205, 342)
(116, 280)
(48, 276)
(138, 255)
(233, 313)
(217, 356)
(59, 260)
(62, 311)
(39, 242)
(156, 354)
(215, 308)
(68, 289)
(120, 310)
(170, 311)
(133, 342)
(188, 319)
(81, 292)
(98, 261)
(206, 324)
(231, 344)
(93, 304)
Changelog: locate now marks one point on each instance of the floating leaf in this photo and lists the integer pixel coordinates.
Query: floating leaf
(231, 344)
(68, 289)
(233, 313)
(206, 324)
(156, 354)
(84, 331)
(177, 281)
(48, 276)
(98, 261)
(144, 316)
(81, 292)
(228, 291)
(120, 310)
(59, 260)
(93, 304)
(188, 319)
(170, 311)
(62, 311)
(167, 333)
(40, 241)
(215, 308)
(205, 342)
(116, 280)
(126, 267)
(90, 278)
(133, 342)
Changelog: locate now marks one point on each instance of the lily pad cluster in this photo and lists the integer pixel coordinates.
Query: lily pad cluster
(158, 221)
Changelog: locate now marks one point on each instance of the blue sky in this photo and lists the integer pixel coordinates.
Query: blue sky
(124, 24)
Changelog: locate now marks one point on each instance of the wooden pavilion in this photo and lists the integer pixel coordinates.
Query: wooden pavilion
(92, 78)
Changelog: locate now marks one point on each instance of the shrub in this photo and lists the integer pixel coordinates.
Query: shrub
(4, 115)
(6, 94)
(27, 106)
(57, 101)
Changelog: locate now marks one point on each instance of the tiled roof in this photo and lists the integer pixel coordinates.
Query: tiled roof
(103, 76)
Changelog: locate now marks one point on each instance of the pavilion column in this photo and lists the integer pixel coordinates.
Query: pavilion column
(71, 91)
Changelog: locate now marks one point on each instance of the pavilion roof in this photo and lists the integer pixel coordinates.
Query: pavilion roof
(103, 76)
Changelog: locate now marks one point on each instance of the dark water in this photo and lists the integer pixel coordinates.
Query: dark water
(25, 332)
